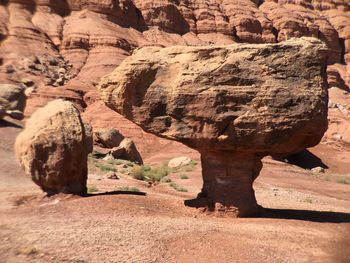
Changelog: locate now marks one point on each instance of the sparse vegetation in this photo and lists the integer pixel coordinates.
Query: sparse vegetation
(308, 200)
(184, 177)
(343, 181)
(129, 189)
(92, 189)
(165, 179)
(123, 171)
(137, 172)
(148, 173)
(105, 167)
(157, 173)
(187, 168)
(177, 187)
(115, 161)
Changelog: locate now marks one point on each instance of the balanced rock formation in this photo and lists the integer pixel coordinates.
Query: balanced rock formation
(12, 101)
(234, 104)
(53, 148)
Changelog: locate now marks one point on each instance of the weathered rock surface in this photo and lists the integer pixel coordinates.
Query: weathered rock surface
(179, 162)
(88, 39)
(12, 101)
(108, 137)
(53, 148)
(234, 104)
(127, 151)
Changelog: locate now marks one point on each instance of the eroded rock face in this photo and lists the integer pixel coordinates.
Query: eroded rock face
(53, 148)
(89, 38)
(12, 101)
(234, 104)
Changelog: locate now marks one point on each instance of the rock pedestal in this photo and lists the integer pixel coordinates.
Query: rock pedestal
(228, 183)
(234, 104)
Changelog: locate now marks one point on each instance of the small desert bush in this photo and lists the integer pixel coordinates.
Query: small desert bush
(343, 181)
(115, 161)
(177, 187)
(129, 189)
(138, 173)
(149, 173)
(165, 179)
(186, 168)
(308, 200)
(92, 189)
(105, 167)
(184, 177)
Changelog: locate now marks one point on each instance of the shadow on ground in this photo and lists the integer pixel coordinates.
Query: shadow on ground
(307, 215)
(117, 193)
(306, 159)
(5, 123)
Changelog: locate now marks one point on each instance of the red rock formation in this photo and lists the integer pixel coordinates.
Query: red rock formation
(89, 38)
(234, 104)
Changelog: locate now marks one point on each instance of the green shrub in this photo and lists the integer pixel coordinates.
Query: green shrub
(308, 200)
(116, 162)
(138, 173)
(177, 187)
(92, 189)
(184, 177)
(155, 174)
(149, 173)
(165, 179)
(105, 167)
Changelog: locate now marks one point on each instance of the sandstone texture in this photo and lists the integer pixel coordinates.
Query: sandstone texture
(12, 101)
(179, 162)
(234, 104)
(108, 137)
(85, 40)
(53, 148)
(111, 143)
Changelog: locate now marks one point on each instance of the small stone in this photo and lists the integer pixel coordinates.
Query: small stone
(48, 81)
(60, 81)
(112, 176)
(179, 162)
(62, 71)
(28, 82)
(318, 169)
(332, 105)
(52, 61)
(34, 59)
(338, 137)
(9, 68)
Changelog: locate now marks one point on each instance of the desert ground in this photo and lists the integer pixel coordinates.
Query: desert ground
(61, 49)
(306, 216)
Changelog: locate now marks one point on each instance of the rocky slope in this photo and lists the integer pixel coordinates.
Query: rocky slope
(60, 49)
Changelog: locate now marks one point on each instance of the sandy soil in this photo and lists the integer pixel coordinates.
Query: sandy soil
(306, 218)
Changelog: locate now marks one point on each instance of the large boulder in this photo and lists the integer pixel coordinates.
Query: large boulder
(234, 104)
(108, 137)
(12, 101)
(53, 148)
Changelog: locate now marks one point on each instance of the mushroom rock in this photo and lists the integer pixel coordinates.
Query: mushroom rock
(234, 104)
(53, 148)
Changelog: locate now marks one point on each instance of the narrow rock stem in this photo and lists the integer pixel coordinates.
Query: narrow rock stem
(228, 182)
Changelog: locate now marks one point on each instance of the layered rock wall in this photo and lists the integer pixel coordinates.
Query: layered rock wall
(90, 38)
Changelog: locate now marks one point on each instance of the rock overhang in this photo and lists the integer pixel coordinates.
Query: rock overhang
(263, 98)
